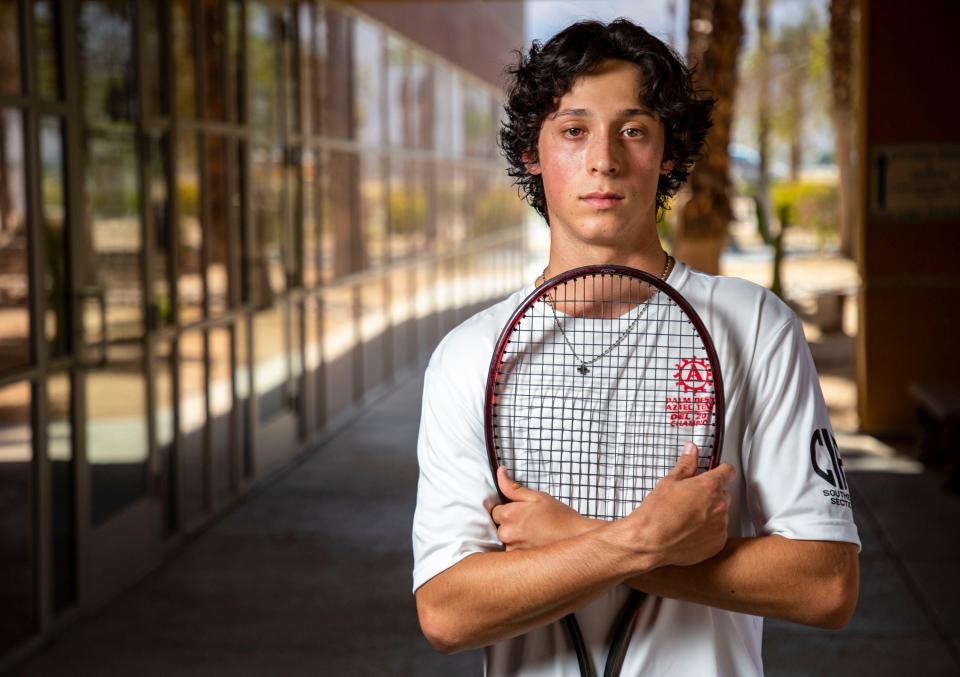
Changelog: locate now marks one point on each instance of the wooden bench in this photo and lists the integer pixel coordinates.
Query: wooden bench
(938, 412)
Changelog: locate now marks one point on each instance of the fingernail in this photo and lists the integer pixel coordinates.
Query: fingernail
(688, 449)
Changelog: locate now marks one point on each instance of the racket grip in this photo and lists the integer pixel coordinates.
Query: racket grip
(576, 638)
(622, 630)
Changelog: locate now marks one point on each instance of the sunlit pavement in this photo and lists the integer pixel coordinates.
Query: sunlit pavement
(311, 574)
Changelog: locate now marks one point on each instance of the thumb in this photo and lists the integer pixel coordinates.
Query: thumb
(512, 489)
(686, 462)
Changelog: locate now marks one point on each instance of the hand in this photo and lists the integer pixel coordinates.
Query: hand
(533, 518)
(683, 521)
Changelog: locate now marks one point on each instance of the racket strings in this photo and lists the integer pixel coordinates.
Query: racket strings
(600, 440)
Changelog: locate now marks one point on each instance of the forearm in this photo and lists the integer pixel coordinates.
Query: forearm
(492, 596)
(810, 582)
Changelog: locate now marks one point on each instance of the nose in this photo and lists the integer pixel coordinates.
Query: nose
(604, 155)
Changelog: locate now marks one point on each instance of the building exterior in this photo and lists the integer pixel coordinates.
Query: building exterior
(224, 226)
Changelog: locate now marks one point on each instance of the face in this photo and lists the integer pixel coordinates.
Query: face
(600, 156)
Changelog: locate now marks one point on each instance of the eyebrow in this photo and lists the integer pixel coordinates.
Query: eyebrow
(583, 112)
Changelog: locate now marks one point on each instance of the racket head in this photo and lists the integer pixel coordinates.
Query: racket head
(544, 335)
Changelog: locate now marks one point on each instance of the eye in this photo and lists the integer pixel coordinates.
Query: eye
(633, 132)
(572, 132)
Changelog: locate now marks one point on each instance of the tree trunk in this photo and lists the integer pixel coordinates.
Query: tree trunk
(841, 77)
(714, 37)
(764, 211)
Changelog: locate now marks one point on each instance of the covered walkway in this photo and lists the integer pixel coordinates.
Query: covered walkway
(311, 575)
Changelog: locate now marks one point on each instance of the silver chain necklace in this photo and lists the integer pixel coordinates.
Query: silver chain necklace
(585, 365)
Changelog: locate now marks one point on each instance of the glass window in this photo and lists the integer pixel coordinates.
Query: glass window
(399, 101)
(155, 46)
(158, 197)
(53, 217)
(451, 231)
(289, 82)
(112, 291)
(477, 121)
(164, 421)
(242, 376)
(223, 442)
(310, 219)
(373, 211)
(368, 48)
(420, 113)
(264, 69)
(339, 341)
(219, 270)
(112, 296)
(312, 361)
(443, 93)
(107, 68)
(271, 368)
(306, 23)
(319, 70)
(402, 309)
(327, 242)
(193, 420)
(189, 231)
(267, 255)
(184, 59)
(339, 122)
(235, 86)
(295, 347)
(18, 585)
(345, 243)
(46, 41)
(291, 227)
(14, 250)
(9, 47)
(374, 322)
(458, 146)
(62, 469)
(116, 433)
(407, 208)
(215, 68)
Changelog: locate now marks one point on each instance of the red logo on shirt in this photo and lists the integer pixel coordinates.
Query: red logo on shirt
(693, 374)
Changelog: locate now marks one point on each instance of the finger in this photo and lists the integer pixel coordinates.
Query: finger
(724, 472)
(512, 489)
(686, 465)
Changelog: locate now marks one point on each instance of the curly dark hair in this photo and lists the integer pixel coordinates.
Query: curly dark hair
(541, 77)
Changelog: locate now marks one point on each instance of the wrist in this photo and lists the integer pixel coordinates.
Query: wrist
(630, 538)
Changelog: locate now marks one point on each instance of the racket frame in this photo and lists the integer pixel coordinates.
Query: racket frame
(623, 626)
(490, 399)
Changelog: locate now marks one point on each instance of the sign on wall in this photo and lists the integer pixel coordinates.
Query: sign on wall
(914, 181)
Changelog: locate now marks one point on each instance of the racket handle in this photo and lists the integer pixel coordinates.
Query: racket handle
(576, 638)
(622, 630)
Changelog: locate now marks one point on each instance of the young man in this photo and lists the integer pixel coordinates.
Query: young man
(603, 126)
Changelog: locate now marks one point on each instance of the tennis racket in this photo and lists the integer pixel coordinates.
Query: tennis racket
(598, 380)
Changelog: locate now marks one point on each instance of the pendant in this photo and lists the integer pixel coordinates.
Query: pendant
(583, 369)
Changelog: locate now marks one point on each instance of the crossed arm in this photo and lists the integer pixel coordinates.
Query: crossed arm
(673, 545)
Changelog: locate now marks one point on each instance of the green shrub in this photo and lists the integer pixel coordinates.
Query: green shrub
(811, 205)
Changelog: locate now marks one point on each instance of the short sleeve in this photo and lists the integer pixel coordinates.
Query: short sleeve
(795, 483)
(455, 491)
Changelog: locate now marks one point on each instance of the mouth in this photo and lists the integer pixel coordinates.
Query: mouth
(602, 200)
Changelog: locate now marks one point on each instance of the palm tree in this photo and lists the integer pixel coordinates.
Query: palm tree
(714, 35)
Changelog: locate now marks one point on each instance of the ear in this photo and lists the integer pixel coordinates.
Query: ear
(532, 166)
(666, 167)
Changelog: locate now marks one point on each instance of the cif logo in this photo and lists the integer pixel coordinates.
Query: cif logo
(832, 470)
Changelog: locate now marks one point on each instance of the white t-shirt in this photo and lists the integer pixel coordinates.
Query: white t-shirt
(789, 480)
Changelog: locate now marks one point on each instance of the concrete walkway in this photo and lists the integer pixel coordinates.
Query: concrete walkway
(311, 576)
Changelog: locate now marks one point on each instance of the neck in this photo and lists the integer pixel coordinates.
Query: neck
(647, 256)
